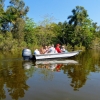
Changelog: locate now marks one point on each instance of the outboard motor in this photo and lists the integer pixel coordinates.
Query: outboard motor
(26, 54)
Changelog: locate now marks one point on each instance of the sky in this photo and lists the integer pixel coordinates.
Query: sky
(60, 9)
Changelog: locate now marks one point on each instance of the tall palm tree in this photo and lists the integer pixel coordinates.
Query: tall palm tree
(78, 17)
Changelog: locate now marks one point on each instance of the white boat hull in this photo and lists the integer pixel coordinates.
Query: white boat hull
(57, 55)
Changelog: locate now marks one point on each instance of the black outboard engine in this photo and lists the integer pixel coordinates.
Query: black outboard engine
(26, 54)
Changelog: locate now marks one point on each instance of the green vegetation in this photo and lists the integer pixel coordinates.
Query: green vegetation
(18, 31)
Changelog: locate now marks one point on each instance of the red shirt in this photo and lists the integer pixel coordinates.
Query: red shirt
(58, 49)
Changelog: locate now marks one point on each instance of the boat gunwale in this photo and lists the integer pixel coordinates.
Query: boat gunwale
(58, 53)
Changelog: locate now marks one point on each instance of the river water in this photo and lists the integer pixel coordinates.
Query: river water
(76, 78)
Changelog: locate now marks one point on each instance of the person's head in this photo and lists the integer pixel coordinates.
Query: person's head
(46, 47)
(49, 46)
(58, 45)
(43, 45)
(63, 46)
(52, 45)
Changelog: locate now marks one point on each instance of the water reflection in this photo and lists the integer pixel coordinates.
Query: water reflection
(69, 67)
(47, 67)
(77, 72)
(15, 75)
(54, 65)
(29, 68)
(77, 75)
(27, 65)
(12, 79)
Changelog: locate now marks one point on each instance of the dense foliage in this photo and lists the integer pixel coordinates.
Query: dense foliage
(18, 31)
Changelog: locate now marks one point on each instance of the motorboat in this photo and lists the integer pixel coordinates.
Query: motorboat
(27, 55)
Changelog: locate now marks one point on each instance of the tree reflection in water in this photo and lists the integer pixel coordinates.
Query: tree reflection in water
(89, 62)
(45, 71)
(77, 74)
(29, 68)
(13, 76)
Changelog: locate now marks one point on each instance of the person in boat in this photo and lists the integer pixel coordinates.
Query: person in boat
(46, 49)
(36, 52)
(52, 49)
(63, 49)
(43, 49)
(58, 48)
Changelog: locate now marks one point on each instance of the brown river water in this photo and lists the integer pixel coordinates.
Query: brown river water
(76, 78)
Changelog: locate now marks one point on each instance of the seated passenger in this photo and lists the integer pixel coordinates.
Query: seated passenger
(36, 52)
(63, 49)
(58, 48)
(45, 49)
(42, 51)
(51, 49)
